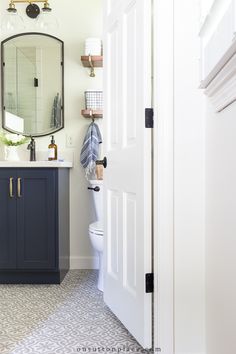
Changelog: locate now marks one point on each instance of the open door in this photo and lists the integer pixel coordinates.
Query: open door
(128, 177)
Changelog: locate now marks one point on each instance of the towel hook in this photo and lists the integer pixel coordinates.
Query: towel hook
(91, 115)
(92, 72)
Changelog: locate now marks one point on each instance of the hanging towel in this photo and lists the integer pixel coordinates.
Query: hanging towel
(90, 149)
(56, 112)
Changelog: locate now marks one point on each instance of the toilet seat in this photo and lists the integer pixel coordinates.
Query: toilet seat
(96, 228)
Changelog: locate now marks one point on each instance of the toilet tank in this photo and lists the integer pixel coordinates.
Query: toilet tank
(97, 198)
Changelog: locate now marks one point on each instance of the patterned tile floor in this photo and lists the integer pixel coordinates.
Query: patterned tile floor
(69, 318)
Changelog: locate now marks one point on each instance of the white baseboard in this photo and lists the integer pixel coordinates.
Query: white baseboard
(83, 262)
(190, 352)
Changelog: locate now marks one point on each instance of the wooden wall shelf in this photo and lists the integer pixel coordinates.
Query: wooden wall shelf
(92, 62)
(97, 61)
(89, 113)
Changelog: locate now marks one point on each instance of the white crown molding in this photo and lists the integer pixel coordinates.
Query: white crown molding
(206, 18)
(222, 89)
(218, 40)
(219, 66)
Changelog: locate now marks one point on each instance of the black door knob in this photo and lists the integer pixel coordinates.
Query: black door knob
(102, 162)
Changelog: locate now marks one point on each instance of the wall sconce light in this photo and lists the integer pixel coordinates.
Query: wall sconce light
(13, 22)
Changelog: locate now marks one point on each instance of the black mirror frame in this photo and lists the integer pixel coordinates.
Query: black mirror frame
(2, 82)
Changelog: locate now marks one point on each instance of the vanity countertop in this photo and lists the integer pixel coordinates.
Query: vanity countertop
(49, 164)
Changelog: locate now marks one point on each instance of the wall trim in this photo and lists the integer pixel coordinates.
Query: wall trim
(191, 353)
(222, 62)
(206, 18)
(221, 46)
(163, 135)
(222, 90)
(84, 262)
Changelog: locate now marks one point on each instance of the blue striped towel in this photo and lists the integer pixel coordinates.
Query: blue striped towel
(90, 149)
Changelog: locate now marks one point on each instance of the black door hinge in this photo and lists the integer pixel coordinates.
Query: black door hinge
(149, 114)
(36, 82)
(149, 277)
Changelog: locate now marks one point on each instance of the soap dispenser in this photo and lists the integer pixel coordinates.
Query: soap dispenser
(52, 150)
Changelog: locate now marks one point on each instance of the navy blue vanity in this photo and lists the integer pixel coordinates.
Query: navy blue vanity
(34, 195)
(34, 224)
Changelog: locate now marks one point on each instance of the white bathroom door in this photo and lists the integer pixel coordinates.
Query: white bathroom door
(128, 177)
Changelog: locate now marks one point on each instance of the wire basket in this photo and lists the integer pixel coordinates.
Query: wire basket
(93, 99)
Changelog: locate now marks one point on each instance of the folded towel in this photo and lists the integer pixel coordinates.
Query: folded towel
(90, 149)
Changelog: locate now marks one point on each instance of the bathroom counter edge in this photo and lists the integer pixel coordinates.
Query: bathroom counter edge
(35, 164)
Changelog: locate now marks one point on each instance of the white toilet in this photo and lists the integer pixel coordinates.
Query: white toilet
(96, 228)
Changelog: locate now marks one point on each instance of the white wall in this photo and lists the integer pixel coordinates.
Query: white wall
(221, 230)
(197, 129)
(189, 181)
(78, 20)
(220, 212)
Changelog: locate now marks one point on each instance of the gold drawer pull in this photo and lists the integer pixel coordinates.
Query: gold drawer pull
(19, 187)
(11, 187)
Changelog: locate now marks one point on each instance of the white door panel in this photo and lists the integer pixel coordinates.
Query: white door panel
(127, 184)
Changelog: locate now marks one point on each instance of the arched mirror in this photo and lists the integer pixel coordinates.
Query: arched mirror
(32, 84)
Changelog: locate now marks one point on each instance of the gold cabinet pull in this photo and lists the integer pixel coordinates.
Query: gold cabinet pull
(11, 187)
(19, 187)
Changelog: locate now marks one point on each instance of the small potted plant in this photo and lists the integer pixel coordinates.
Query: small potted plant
(11, 142)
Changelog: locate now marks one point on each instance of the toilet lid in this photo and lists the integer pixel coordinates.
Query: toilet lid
(96, 227)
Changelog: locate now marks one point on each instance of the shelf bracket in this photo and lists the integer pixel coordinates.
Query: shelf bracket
(91, 114)
(92, 72)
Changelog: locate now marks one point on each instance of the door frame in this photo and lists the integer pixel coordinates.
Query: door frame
(163, 174)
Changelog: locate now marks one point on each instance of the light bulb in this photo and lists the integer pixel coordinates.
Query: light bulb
(12, 22)
(46, 21)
